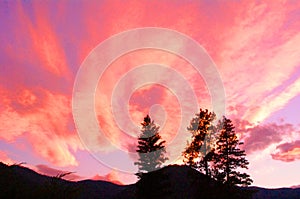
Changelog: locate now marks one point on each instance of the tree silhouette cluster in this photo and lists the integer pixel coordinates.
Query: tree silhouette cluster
(214, 149)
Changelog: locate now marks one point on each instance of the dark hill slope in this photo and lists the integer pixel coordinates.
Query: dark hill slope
(178, 182)
(20, 182)
(174, 182)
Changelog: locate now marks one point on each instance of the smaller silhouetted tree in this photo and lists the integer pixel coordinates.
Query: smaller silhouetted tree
(228, 157)
(200, 151)
(150, 148)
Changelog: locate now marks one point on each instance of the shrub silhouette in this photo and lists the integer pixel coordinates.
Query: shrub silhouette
(17, 181)
(57, 187)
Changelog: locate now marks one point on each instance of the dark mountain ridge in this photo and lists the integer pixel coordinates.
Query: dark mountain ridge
(173, 181)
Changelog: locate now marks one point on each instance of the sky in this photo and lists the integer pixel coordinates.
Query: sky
(253, 45)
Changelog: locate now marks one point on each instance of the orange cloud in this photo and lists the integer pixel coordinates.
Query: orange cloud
(5, 159)
(110, 177)
(46, 120)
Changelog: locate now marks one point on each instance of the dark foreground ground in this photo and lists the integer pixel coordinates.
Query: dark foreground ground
(170, 182)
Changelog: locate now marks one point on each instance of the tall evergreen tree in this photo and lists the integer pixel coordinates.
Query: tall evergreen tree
(150, 148)
(228, 157)
(199, 152)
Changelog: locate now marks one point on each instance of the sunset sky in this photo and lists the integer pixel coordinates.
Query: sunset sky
(254, 45)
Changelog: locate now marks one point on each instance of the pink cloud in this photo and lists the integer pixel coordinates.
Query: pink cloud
(261, 136)
(295, 187)
(43, 40)
(257, 137)
(287, 152)
(256, 43)
(242, 42)
(143, 98)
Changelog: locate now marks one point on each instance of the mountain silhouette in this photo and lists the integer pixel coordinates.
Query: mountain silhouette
(173, 181)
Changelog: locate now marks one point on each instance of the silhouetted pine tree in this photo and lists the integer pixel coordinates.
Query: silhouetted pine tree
(150, 148)
(228, 157)
(199, 152)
